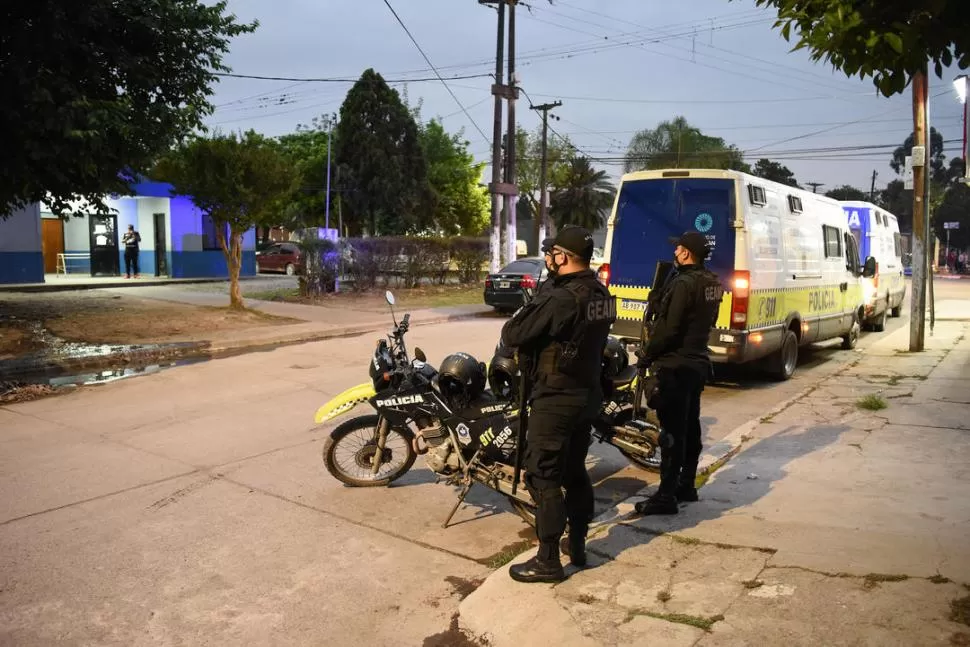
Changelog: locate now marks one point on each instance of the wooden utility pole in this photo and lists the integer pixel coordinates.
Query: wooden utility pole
(872, 189)
(539, 227)
(502, 188)
(815, 186)
(917, 322)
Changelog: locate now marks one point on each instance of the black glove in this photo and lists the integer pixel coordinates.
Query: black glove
(643, 362)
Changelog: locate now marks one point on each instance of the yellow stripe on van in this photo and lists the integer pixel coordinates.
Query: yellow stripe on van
(631, 302)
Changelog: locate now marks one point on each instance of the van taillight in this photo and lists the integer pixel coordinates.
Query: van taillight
(740, 290)
(603, 274)
(875, 278)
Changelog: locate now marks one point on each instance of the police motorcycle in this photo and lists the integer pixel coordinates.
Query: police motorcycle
(467, 434)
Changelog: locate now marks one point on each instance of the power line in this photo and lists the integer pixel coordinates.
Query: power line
(348, 80)
(437, 74)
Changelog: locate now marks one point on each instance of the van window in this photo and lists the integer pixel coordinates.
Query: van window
(851, 253)
(833, 242)
(897, 244)
(650, 212)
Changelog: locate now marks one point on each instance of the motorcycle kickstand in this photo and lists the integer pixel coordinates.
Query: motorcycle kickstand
(461, 497)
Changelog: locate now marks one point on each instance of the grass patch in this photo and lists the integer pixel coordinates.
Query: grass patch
(753, 584)
(700, 622)
(507, 554)
(664, 596)
(586, 598)
(872, 580)
(939, 579)
(872, 402)
(687, 541)
(280, 294)
(960, 610)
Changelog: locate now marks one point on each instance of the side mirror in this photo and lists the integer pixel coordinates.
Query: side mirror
(869, 269)
(389, 297)
(419, 355)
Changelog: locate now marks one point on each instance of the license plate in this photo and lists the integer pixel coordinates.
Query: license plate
(638, 306)
(503, 284)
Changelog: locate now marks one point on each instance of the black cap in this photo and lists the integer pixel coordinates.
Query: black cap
(575, 240)
(694, 242)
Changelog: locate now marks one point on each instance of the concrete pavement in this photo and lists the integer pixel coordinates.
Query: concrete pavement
(833, 525)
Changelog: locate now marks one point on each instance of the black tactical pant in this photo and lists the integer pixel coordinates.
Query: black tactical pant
(558, 440)
(678, 405)
(131, 260)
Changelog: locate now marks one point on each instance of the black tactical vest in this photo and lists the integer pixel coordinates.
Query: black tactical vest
(575, 362)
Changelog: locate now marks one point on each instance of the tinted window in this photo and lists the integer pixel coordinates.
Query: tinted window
(650, 212)
(833, 245)
(521, 267)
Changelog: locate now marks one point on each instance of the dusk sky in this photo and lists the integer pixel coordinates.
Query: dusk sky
(618, 66)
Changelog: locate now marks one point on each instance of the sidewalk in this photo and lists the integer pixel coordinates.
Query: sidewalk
(833, 525)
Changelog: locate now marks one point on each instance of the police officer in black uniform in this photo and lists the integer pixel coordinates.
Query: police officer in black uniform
(677, 356)
(560, 337)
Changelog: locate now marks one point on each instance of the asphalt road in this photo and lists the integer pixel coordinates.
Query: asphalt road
(192, 506)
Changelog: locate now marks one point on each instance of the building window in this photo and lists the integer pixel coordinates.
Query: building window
(210, 240)
(833, 242)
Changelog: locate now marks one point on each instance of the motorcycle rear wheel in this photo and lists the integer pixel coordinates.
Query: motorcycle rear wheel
(363, 457)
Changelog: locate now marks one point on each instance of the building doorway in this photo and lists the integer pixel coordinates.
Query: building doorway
(51, 242)
(104, 245)
(161, 253)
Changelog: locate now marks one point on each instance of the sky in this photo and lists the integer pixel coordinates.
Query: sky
(618, 66)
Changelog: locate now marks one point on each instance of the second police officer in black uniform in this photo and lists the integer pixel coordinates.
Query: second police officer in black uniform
(560, 337)
(676, 354)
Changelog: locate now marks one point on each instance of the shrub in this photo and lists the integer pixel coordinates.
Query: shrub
(321, 266)
(469, 255)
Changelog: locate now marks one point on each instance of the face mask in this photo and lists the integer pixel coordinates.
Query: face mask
(551, 263)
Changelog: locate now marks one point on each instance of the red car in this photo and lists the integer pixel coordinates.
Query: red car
(280, 257)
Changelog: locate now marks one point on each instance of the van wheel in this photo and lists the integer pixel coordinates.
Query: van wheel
(850, 340)
(879, 323)
(897, 311)
(782, 363)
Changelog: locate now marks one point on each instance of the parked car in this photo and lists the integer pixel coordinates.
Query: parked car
(505, 290)
(280, 257)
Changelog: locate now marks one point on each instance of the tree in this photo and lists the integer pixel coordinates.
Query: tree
(955, 207)
(898, 201)
(585, 194)
(528, 165)
(846, 192)
(677, 144)
(888, 40)
(240, 182)
(382, 167)
(775, 172)
(95, 91)
(307, 150)
(461, 203)
(939, 172)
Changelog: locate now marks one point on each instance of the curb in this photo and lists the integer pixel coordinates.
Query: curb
(196, 350)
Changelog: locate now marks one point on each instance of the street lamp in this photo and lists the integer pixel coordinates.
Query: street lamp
(962, 84)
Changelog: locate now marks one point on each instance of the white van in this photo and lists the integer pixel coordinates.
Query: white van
(877, 233)
(789, 264)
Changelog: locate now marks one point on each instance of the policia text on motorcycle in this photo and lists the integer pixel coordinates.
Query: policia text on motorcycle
(560, 337)
(676, 354)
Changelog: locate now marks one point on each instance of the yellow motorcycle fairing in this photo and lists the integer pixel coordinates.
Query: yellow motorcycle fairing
(345, 402)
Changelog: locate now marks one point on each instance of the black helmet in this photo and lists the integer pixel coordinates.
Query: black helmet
(615, 357)
(501, 376)
(461, 378)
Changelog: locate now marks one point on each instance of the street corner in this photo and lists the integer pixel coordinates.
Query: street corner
(783, 606)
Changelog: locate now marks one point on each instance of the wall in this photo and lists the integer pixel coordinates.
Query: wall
(146, 210)
(21, 259)
(188, 259)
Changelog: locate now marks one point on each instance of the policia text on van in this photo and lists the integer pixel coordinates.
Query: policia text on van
(790, 266)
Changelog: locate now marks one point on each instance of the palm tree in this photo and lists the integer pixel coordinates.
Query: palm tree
(677, 144)
(583, 196)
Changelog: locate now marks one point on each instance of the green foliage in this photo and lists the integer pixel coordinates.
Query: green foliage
(584, 195)
(775, 172)
(321, 266)
(677, 144)
(239, 181)
(954, 207)
(846, 192)
(411, 260)
(887, 40)
(528, 165)
(95, 91)
(899, 202)
(461, 203)
(469, 254)
(382, 168)
(939, 173)
(307, 150)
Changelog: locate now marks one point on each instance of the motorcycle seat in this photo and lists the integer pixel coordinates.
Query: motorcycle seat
(624, 377)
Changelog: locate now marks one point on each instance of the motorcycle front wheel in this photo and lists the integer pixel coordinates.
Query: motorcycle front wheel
(352, 449)
(527, 512)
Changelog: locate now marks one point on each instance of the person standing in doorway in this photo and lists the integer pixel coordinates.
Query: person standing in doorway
(131, 240)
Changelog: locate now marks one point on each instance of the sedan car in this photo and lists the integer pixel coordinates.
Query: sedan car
(280, 257)
(506, 290)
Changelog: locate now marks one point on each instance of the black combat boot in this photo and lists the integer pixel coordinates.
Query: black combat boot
(657, 504)
(686, 493)
(544, 567)
(573, 545)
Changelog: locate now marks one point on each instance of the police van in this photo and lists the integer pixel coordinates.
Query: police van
(789, 264)
(877, 233)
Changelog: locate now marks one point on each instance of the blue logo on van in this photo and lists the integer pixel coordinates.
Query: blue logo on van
(703, 223)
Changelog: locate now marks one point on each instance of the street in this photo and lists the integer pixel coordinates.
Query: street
(192, 506)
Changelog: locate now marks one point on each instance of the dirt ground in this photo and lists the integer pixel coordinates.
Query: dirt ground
(92, 317)
(435, 296)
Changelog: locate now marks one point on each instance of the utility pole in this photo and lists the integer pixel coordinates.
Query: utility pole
(815, 186)
(511, 198)
(917, 322)
(539, 226)
(502, 188)
(872, 189)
